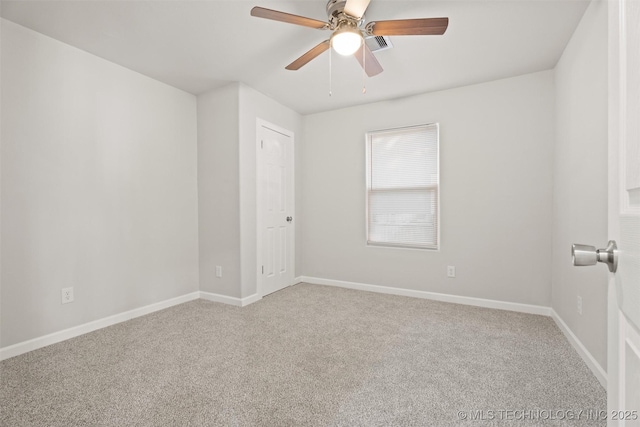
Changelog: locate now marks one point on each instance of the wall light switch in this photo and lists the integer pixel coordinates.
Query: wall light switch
(218, 271)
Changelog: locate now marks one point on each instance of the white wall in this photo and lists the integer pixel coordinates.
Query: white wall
(219, 190)
(496, 142)
(98, 187)
(580, 180)
(227, 184)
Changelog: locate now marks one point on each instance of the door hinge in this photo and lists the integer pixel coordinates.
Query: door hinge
(263, 269)
(261, 144)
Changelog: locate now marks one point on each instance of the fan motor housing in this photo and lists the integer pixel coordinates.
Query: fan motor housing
(334, 7)
(335, 14)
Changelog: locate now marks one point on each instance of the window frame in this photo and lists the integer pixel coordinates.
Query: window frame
(368, 190)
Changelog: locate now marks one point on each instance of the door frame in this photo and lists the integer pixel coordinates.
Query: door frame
(621, 331)
(612, 229)
(260, 124)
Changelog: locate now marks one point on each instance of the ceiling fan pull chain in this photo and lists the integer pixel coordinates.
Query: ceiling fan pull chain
(330, 55)
(364, 70)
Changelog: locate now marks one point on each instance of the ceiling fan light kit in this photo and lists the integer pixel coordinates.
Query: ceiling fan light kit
(346, 21)
(347, 39)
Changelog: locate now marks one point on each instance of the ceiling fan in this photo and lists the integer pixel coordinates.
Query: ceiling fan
(346, 21)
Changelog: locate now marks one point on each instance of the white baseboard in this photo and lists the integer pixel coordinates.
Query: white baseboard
(591, 362)
(456, 299)
(224, 299)
(56, 337)
(250, 299)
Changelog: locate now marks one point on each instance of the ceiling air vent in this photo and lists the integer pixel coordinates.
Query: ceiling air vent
(377, 43)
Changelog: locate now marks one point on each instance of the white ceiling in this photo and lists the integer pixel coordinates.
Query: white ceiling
(200, 45)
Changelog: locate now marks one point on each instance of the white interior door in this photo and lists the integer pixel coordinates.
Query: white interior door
(276, 196)
(623, 383)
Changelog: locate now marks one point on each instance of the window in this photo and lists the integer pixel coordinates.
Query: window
(402, 187)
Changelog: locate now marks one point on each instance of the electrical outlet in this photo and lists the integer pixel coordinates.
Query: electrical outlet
(579, 305)
(218, 271)
(67, 295)
(451, 271)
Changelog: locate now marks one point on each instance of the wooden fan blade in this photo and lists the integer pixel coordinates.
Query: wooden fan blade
(409, 27)
(370, 64)
(311, 54)
(356, 8)
(261, 12)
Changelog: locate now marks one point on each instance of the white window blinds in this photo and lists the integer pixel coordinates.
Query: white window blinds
(402, 187)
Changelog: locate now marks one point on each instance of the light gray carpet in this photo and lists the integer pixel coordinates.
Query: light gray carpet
(305, 356)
